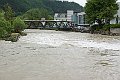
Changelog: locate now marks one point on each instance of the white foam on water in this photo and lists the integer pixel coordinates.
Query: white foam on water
(102, 45)
(53, 39)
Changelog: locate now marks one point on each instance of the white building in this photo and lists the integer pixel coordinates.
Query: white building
(64, 16)
(118, 14)
(60, 16)
(81, 18)
(70, 15)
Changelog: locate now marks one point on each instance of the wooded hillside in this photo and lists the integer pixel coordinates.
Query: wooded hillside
(21, 6)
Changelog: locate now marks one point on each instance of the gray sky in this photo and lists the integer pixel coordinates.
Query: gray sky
(81, 2)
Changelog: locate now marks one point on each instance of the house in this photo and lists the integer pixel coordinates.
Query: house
(70, 15)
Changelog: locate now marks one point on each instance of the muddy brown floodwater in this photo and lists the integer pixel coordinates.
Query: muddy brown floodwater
(57, 55)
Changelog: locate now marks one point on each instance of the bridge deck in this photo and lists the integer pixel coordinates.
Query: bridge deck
(45, 21)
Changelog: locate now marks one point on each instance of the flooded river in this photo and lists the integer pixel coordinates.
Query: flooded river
(57, 55)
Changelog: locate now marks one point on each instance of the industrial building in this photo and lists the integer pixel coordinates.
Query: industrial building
(70, 15)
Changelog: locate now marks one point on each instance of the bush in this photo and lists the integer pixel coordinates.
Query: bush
(3, 33)
(107, 27)
(18, 25)
(1, 14)
(5, 28)
(23, 34)
(115, 26)
(14, 37)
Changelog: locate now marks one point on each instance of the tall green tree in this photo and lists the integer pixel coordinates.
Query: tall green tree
(37, 14)
(32, 14)
(1, 14)
(5, 26)
(9, 14)
(100, 10)
(19, 25)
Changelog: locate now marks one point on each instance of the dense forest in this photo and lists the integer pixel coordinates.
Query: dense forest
(21, 6)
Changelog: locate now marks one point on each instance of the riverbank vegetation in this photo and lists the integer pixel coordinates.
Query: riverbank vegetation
(13, 12)
(101, 12)
(10, 24)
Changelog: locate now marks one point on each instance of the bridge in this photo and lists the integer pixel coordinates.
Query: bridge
(49, 24)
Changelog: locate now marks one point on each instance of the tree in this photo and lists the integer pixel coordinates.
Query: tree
(32, 14)
(44, 13)
(37, 14)
(100, 10)
(9, 14)
(19, 25)
(5, 26)
(1, 14)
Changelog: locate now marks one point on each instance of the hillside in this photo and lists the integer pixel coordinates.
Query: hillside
(59, 6)
(21, 6)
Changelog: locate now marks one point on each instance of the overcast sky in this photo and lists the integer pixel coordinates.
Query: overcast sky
(81, 2)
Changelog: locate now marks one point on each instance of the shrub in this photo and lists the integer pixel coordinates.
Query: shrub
(107, 27)
(23, 34)
(3, 33)
(14, 37)
(5, 28)
(18, 25)
(115, 26)
(1, 14)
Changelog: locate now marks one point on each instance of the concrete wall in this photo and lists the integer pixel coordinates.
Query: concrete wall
(75, 18)
(61, 17)
(69, 15)
(64, 16)
(115, 30)
(81, 18)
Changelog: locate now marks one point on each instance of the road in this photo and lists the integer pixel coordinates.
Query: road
(57, 55)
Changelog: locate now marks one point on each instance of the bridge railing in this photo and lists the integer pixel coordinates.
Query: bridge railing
(48, 23)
